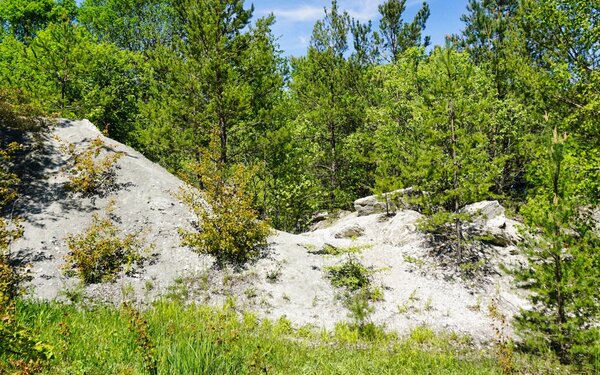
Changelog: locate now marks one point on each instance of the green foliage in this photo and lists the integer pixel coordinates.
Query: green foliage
(351, 275)
(355, 280)
(10, 228)
(60, 54)
(22, 350)
(136, 25)
(91, 173)
(203, 340)
(101, 251)
(330, 91)
(399, 36)
(563, 273)
(139, 327)
(112, 88)
(228, 227)
(24, 18)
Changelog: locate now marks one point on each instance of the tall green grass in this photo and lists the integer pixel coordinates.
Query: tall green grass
(204, 340)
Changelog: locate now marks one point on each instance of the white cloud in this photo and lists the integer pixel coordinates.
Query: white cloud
(302, 14)
(362, 10)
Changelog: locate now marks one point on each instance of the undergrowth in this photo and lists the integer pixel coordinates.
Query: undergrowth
(171, 338)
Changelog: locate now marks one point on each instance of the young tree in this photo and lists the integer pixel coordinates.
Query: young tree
(437, 141)
(564, 262)
(60, 53)
(399, 35)
(214, 43)
(326, 83)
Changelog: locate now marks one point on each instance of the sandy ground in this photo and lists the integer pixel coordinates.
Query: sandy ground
(290, 280)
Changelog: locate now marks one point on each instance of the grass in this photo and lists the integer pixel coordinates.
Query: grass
(205, 340)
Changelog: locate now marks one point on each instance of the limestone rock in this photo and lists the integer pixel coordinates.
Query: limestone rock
(491, 224)
(376, 204)
(351, 231)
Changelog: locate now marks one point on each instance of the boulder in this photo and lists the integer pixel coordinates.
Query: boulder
(491, 225)
(376, 204)
(402, 229)
(350, 231)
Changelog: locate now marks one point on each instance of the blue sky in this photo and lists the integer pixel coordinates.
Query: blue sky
(295, 18)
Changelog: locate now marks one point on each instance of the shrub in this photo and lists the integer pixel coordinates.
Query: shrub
(91, 173)
(10, 229)
(228, 227)
(100, 252)
(355, 280)
(351, 275)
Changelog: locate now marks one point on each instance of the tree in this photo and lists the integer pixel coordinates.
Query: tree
(228, 226)
(112, 87)
(564, 262)
(434, 137)
(487, 33)
(24, 18)
(327, 85)
(399, 35)
(563, 40)
(60, 53)
(214, 43)
(136, 25)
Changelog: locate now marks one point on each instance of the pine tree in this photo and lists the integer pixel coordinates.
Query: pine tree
(564, 263)
(328, 85)
(60, 53)
(437, 141)
(398, 35)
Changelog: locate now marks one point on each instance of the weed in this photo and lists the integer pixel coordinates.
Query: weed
(196, 339)
(251, 293)
(329, 249)
(477, 305)
(413, 295)
(357, 292)
(139, 327)
(351, 275)
(274, 275)
(504, 344)
(420, 263)
(428, 304)
(148, 285)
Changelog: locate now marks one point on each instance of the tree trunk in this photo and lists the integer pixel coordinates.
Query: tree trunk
(457, 226)
(334, 166)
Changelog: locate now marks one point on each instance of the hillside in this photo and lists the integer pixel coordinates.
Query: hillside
(289, 280)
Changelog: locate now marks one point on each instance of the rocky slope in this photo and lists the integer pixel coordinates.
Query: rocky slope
(290, 280)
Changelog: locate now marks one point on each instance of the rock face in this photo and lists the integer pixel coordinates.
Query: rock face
(144, 201)
(290, 280)
(491, 224)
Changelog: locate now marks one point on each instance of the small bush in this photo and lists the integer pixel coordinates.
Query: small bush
(228, 227)
(100, 252)
(91, 173)
(351, 275)
(355, 280)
